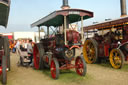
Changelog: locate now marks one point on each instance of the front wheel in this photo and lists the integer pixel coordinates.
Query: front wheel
(116, 58)
(80, 66)
(54, 68)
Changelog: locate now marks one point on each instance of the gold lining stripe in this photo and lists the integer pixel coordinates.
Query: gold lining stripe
(4, 3)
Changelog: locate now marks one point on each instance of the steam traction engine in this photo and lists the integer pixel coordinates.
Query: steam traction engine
(4, 43)
(110, 42)
(57, 51)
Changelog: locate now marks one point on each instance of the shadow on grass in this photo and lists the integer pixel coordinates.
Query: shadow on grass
(68, 76)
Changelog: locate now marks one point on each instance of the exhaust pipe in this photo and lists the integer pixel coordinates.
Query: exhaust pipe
(123, 8)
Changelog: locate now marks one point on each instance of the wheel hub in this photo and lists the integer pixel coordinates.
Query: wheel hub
(69, 53)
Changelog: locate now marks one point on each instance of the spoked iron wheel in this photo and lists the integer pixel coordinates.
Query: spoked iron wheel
(116, 58)
(90, 51)
(36, 57)
(80, 66)
(54, 68)
(7, 52)
(5, 60)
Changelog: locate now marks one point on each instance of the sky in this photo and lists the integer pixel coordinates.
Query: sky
(24, 12)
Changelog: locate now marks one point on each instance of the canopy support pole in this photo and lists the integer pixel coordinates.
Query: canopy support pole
(65, 26)
(39, 32)
(82, 31)
(87, 33)
(48, 31)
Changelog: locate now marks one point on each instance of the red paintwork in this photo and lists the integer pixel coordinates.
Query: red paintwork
(0, 70)
(53, 69)
(1, 54)
(36, 59)
(127, 58)
(79, 66)
(74, 46)
(67, 66)
(106, 49)
(73, 36)
(47, 59)
(49, 43)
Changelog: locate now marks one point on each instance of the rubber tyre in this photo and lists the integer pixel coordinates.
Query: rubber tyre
(80, 66)
(112, 60)
(95, 47)
(4, 72)
(54, 67)
(7, 52)
(38, 48)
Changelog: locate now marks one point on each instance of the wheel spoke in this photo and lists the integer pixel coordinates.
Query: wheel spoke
(80, 66)
(116, 58)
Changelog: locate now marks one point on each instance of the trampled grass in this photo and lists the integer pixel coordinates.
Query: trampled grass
(69, 76)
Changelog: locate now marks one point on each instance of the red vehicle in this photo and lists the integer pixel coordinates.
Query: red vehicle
(4, 43)
(111, 43)
(57, 51)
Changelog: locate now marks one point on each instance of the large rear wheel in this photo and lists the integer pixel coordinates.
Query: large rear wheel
(54, 68)
(80, 66)
(90, 51)
(116, 58)
(7, 51)
(38, 53)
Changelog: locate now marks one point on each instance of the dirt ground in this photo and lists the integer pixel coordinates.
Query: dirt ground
(97, 74)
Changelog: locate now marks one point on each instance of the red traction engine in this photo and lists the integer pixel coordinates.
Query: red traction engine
(111, 44)
(57, 51)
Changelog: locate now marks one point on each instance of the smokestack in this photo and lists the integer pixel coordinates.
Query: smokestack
(123, 8)
(65, 5)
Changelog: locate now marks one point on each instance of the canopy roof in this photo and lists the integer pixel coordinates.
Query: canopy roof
(108, 24)
(4, 12)
(56, 18)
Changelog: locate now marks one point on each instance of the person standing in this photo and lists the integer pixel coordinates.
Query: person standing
(18, 44)
(30, 50)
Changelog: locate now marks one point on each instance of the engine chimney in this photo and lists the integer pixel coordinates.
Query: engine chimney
(123, 8)
(65, 5)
